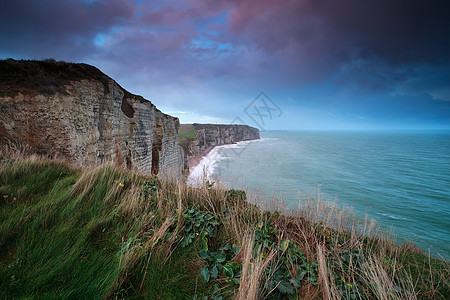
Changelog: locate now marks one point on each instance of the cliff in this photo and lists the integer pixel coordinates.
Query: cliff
(196, 138)
(76, 112)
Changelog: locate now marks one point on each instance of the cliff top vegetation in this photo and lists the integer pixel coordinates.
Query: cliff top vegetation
(48, 77)
(109, 233)
(187, 131)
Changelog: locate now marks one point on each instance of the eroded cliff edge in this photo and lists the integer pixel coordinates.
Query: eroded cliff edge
(198, 138)
(76, 112)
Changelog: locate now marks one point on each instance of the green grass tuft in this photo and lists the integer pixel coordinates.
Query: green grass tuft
(109, 233)
(187, 131)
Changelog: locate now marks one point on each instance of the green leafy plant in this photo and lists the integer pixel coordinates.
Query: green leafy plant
(151, 186)
(198, 223)
(292, 267)
(219, 262)
(236, 194)
(131, 244)
(350, 287)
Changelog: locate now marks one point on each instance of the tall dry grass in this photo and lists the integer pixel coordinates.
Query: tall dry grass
(323, 231)
(326, 234)
(354, 249)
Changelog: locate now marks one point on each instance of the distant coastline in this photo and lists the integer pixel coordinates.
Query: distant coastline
(203, 166)
(197, 140)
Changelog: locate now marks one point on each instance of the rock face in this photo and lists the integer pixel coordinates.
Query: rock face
(199, 137)
(76, 112)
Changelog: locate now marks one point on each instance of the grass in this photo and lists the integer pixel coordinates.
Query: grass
(187, 131)
(110, 233)
(47, 77)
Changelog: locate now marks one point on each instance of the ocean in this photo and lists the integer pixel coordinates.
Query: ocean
(401, 179)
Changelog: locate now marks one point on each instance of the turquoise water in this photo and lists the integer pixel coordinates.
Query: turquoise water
(401, 179)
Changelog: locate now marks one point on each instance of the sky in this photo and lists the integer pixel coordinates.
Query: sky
(284, 64)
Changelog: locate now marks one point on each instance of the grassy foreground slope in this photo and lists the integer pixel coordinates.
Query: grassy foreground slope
(108, 233)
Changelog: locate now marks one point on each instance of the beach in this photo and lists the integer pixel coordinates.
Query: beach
(205, 165)
(193, 161)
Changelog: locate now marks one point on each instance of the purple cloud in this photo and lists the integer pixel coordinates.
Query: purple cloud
(58, 27)
(215, 51)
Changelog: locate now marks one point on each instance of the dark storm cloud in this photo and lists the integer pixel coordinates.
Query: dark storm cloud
(306, 40)
(321, 38)
(401, 32)
(211, 49)
(49, 26)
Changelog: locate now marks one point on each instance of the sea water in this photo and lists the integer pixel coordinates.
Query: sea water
(401, 179)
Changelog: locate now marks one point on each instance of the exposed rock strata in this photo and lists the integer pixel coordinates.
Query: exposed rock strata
(76, 112)
(205, 136)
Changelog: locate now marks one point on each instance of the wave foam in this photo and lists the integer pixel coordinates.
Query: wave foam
(207, 166)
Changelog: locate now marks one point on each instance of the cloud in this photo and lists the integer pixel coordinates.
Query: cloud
(190, 117)
(401, 33)
(433, 79)
(282, 43)
(64, 27)
(313, 40)
(188, 53)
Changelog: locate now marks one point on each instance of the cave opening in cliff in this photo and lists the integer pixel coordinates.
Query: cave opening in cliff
(156, 146)
(155, 160)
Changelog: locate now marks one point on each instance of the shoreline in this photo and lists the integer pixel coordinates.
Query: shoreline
(194, 160)
(407, 257)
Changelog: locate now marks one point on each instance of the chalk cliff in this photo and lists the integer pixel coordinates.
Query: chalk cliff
(78, 113)
(196, 138)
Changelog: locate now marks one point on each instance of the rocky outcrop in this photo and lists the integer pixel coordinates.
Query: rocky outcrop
(76, 112)
(196, 138)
